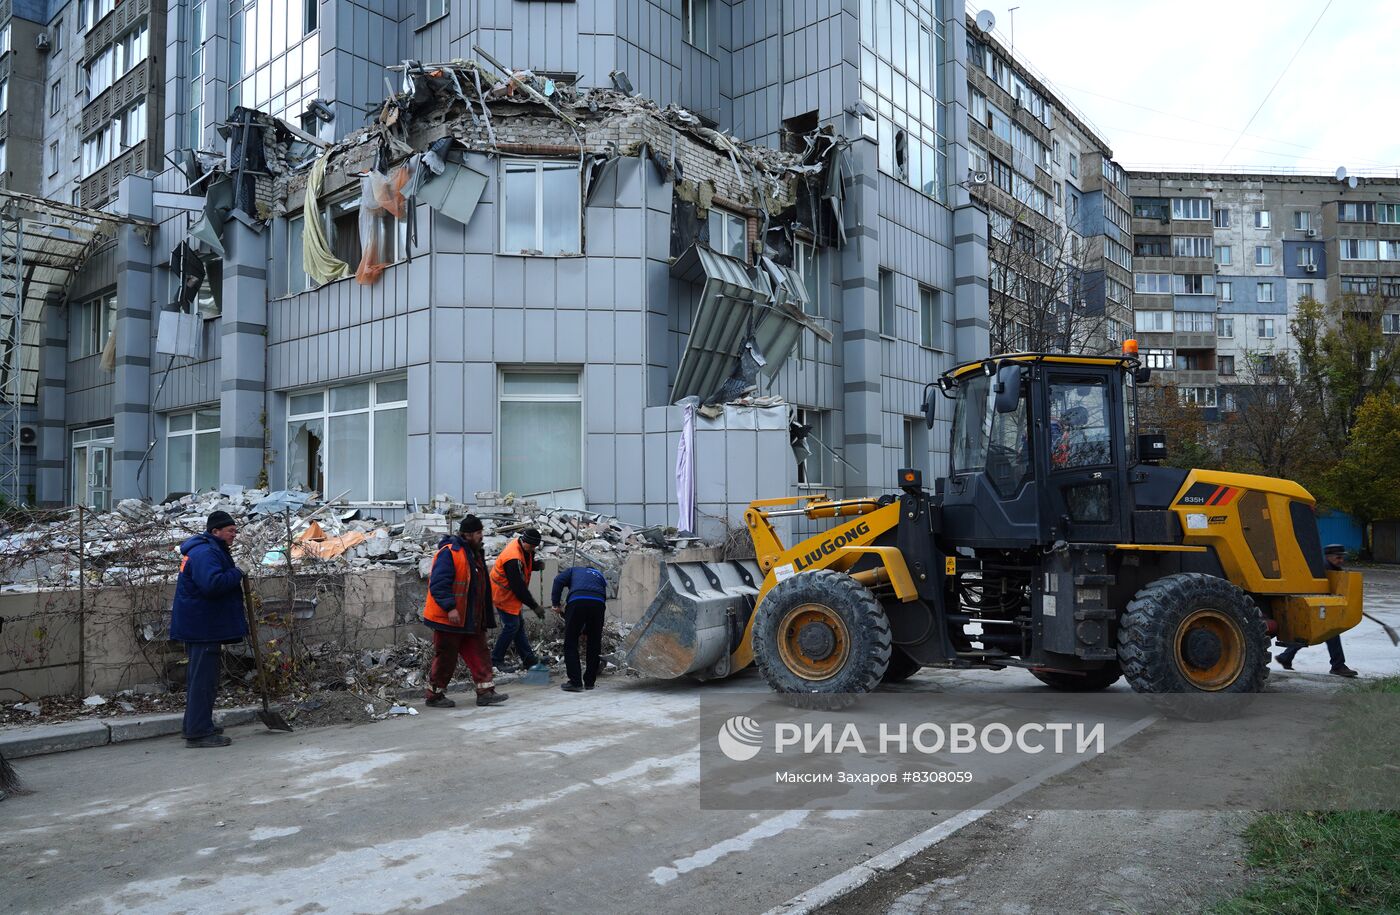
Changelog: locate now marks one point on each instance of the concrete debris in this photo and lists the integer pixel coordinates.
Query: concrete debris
(94, 700)
(29, 708)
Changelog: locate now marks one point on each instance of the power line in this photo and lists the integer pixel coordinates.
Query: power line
(1191, 120)
(1270, 93)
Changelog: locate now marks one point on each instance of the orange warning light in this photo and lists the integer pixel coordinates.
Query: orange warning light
(1130, 348)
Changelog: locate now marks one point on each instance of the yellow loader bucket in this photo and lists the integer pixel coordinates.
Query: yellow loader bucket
(696, 620)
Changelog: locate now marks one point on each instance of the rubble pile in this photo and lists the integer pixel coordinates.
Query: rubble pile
(138, 542)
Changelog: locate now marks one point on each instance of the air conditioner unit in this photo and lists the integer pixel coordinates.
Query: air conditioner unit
(28, 435)
(1310, 268)
(42, 43)
(1312, 233)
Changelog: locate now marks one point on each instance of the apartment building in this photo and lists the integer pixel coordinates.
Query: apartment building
(1060, 236)
(1222, 260)
(477, 358)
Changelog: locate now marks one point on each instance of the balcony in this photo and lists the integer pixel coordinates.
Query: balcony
(1191, 378)
(1151, 226)
(119, 20)
(101, 186)
(1204, 340)
(137, 82)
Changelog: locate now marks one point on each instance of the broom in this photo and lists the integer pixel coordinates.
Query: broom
(9, 780)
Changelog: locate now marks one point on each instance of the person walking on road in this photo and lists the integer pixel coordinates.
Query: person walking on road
(458, 610)
(1335, 555)
(207, 614)
(510, 591)
(583, 615)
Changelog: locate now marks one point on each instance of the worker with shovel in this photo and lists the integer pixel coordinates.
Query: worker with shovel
(1335, 555)
(207, 614)
(458, 610)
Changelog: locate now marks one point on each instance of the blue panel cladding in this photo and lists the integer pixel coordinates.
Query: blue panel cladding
(1091, 291)
(1245, 296)
(1091, 219)
(1290, 260)
(1193, 303)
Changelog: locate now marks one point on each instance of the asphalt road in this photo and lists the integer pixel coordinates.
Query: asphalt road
(552, 802)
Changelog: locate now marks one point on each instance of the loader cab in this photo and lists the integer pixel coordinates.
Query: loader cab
(1039, 451)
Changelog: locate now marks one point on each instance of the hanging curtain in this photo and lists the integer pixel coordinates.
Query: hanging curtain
(318, 261)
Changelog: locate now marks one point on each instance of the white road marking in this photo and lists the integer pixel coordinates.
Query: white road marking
(781, 823)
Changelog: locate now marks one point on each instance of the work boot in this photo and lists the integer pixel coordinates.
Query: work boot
(506, 667)
(440, 700)
(204, 743)
(1341, 670)
(491, 698)
(588, 686)
(571, 687)
(1284, 661)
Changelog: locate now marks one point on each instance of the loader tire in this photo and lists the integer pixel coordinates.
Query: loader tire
(901, 668)
(1193, 633)
(820, 638)
(1087, 682)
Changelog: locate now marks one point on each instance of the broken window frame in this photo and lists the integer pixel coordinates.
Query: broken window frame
(554, 440)
(539, 167)
(733, 231)
(196, 432)
(816, 470)
(295, 279)
(89, 325)
(385, 407)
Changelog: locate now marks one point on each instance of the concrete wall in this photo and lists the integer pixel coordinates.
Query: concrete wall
(44, 651)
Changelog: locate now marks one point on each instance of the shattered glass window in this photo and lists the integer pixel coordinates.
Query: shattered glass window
(350, 442)
(902, 80)
(273, 50)
(541, 211)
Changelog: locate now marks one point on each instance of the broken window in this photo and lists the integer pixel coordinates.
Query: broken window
(89, 324)
(541, 433)
(192, 451)
(541, 209)
(342, 222)
(809, 267)
(350, 442)
(729, 234)
(810, 435)
(695, 23)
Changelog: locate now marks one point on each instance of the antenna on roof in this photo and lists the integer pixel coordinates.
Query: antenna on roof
(1341, 173)
(986, 21)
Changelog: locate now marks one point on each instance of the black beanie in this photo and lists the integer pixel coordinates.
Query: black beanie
(470, 525)
(532, 537)
(219, 519)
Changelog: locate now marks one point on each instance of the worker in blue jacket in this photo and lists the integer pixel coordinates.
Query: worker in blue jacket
(588, 601)
(207, 614)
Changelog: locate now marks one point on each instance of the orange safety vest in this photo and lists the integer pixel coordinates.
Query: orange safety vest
(501, 594)
(461, 579)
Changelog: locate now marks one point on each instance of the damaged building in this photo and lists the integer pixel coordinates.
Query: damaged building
(523, 247)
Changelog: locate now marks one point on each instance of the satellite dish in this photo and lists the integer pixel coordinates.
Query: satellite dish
(1341, 173)
(986, 21)
(1351, 182)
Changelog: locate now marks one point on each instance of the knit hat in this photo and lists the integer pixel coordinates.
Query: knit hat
(470, 525)
(219, 519)
(532, 537)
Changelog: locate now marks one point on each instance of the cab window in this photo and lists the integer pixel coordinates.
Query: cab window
(1079, 423)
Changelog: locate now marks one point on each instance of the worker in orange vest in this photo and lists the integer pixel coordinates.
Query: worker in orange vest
(458, 610)
(510, 591)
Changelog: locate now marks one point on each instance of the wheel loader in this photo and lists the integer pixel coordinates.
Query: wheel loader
(1057, 542)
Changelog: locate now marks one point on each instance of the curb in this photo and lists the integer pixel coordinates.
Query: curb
(43, 739)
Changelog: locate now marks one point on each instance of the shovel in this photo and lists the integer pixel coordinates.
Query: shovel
(1394, 637)
(266, 715)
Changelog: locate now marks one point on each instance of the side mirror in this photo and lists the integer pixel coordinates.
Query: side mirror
(1142, 374)
(1008, 388)
(929, 398)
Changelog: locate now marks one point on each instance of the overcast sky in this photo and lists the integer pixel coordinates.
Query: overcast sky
(1172, 82)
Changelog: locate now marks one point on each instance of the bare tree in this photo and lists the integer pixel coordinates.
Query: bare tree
(1040, 288)
(1345, 355)
(1268, 421)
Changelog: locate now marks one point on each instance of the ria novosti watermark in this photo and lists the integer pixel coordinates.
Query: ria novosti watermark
(946, 751)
